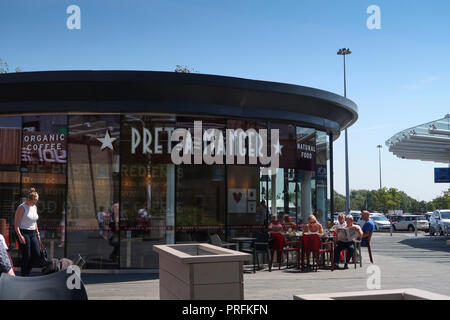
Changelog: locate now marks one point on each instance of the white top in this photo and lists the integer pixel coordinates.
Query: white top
(339, 225)
(101, 216)
(29, 217)
(3, 242)
(142, 213)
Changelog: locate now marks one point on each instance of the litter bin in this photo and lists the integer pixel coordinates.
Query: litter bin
(200, 271)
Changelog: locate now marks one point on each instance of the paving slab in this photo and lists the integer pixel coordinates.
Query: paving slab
(403, 261)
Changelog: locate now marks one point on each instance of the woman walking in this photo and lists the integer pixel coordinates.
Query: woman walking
(26, 227)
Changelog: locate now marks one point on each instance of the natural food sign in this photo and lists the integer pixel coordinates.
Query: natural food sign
(44, 148)
(307, 155)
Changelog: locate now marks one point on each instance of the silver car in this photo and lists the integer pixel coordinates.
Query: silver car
(440, 222)
(409, 222)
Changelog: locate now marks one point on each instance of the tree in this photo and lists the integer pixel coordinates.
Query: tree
(183, 69)
(442, 202)
(4, 68)
(339, 202)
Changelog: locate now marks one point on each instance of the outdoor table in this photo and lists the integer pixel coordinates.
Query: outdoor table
(240, 240)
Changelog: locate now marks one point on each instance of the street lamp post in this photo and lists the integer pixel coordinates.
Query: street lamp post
(343, 52)
(379, 159)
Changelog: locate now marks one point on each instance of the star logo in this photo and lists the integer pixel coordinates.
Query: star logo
(278, 148)
(107, 141)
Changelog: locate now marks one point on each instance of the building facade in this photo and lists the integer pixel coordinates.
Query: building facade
(99, 148)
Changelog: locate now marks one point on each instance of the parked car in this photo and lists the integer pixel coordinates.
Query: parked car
(408, 222)
(380, 221)
(394, 218)
(439, 221)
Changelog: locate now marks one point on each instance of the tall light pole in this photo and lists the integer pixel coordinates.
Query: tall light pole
(379, 158)
(343, 52)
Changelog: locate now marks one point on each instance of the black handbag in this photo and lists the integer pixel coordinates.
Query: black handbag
(43, 258)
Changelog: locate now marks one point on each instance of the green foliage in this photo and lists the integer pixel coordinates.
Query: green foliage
(442, 202)
(191, 216)
(383, 200)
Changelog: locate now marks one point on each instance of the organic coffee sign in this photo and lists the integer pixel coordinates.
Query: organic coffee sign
(44, 147)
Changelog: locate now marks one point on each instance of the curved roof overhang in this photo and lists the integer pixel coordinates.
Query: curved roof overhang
(170, 92)
(426, 142)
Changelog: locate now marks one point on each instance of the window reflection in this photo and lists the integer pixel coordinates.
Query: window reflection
(93, 190)
(148, 188)
(44, 159)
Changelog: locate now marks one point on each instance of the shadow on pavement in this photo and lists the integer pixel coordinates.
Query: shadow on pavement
(436, 243)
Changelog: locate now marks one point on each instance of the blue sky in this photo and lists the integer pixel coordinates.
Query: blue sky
(398, 75)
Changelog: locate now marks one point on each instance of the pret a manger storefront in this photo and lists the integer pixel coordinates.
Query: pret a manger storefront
(98, 144)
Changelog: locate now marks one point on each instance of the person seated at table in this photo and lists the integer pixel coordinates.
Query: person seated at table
(368, 227)
(313, 227)
(275, 230)
(287, 224)
(341, 221)
(345, 240)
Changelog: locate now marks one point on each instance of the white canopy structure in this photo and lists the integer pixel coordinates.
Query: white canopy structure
(426, 142)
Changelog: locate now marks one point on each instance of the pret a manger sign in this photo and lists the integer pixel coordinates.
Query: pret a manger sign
(210, 146)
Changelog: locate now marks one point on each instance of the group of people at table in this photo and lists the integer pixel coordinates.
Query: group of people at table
(280, 229)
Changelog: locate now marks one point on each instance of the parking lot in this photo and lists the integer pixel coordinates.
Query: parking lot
(404, 261)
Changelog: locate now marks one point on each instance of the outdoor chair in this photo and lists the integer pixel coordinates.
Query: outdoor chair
(260, 245)
(292, 246)
(368, 248)
(312, 244)
(274, 247)
(216, 241)
(49, 287)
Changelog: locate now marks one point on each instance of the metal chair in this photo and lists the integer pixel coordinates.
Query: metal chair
(368, 248)
(216, 241)
(292, 246)
(260, 245)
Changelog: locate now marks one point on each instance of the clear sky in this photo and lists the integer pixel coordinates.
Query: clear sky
(399, 75)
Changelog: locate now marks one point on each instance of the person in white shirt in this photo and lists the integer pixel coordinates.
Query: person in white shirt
(26, 228)
(341, 221)
(101, 215)
(347, 245)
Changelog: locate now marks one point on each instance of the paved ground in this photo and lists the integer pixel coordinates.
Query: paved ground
(404, 261)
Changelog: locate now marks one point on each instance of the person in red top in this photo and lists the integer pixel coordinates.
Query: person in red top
(276, 229)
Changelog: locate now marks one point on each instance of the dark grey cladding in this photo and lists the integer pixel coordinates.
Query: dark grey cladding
(170, 92)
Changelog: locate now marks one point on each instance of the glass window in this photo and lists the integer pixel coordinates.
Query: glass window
(246, 213)
(10, 144)
(148, 188)
(44, 160)
(200, 202)
(306, 171)
(321, 174)
(200, 191)
(93, 190)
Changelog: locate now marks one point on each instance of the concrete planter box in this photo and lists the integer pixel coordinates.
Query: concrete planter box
(396, 294)
(200, 272)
